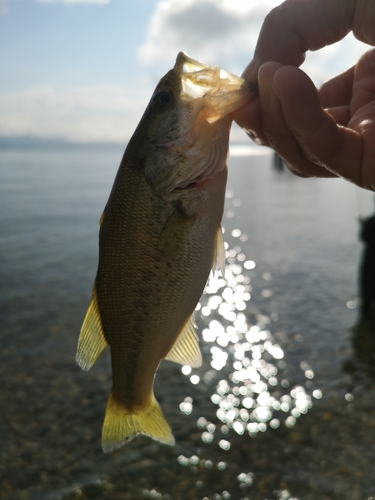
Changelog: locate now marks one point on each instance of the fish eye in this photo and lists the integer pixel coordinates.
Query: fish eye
(163, 98)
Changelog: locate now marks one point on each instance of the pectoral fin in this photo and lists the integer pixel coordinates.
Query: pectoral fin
(91, 341)
(185, 350)
(175, 235)
(219, 253)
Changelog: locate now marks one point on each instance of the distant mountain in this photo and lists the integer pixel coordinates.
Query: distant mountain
(27, 142)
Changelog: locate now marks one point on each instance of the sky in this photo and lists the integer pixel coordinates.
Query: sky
(84, 70)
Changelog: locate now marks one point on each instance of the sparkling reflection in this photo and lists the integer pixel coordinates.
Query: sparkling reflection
(244, 363)
(285, 495)
(252, 392)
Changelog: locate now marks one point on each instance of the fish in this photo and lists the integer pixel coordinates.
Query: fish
(160, 236)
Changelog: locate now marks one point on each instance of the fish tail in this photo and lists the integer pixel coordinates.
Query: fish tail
(121, 425)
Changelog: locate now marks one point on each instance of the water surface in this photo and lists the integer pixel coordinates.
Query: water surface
(283, 406)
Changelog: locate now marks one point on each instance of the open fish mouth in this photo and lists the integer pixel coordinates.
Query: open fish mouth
(215, 94)
(196, 137)
(223, 92)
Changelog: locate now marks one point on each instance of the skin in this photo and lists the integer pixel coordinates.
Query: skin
(324, 132)
(158, 242)
(147, 287)
(157, 245)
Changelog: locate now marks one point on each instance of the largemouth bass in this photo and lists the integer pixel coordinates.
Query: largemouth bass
(160, 235)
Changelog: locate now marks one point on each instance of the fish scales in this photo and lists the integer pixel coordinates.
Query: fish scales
(160, 236)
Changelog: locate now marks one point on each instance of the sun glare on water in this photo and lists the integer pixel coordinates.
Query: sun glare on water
(252, 393)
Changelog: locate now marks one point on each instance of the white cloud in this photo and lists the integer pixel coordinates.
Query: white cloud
(225, 32)
(214, 31)
(80, 115)
(333, 59)
(222, 32)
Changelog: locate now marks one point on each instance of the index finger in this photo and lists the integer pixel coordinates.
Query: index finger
(338, 149)
(296, 26)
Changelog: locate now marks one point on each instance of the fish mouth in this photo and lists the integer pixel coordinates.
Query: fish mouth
(204, 99)
(223, 92)
(214, 94)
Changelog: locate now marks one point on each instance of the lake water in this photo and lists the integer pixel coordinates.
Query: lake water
(284, 404)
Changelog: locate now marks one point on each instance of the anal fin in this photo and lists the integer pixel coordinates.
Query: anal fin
(185, 350)
(91, 341)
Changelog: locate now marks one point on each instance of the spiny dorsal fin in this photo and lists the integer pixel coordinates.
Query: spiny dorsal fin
(91, 341)
(121, 425)
(219, 253)
(185, 350)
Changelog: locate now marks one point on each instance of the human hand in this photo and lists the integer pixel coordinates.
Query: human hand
(330, 132)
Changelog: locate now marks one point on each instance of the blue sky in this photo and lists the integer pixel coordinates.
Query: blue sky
(84, 70)
(64, 43)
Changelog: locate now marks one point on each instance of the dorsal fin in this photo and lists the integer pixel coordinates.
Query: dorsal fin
(185, 350)
(219, 253)
(91, 341)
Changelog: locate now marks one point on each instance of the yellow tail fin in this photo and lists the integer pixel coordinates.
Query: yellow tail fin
(120, 426)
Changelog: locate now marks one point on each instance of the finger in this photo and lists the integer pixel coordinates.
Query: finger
(363, 84)
(341, 114)
(276, 129)
(321, 140)
(294, 27)
(350, 93)
(248, 118)
(338, 90)
(363, 21)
